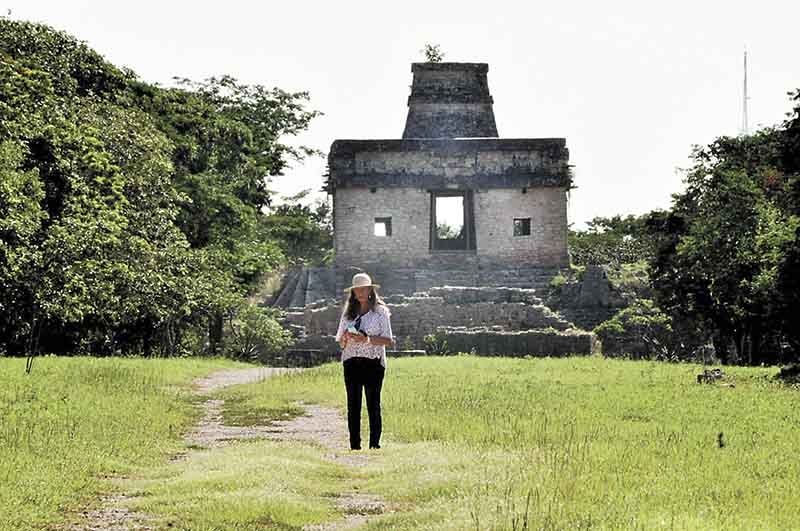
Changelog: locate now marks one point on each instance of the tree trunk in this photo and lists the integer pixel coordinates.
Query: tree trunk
(215, 334)
(739, 340)
(721, 343)
(756, 342)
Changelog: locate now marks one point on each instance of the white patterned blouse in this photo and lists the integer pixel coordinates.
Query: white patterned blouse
(375, 323)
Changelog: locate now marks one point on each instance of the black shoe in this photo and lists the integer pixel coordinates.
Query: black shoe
(375, 447)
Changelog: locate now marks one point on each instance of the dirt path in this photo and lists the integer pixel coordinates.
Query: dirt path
(326, 427)
(210, 432)
(320, 425)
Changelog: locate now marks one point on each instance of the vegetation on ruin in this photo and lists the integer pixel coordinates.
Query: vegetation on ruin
(433, 53)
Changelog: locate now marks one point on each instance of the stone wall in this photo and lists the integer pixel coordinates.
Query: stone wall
(519, 343)
(546, 207)
(450, 100)
(356, 208)
(589, 301)
(450, 120)
(483, 341)
(444, 163)
(451, 163)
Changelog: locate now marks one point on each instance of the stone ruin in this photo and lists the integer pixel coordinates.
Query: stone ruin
(480, 287)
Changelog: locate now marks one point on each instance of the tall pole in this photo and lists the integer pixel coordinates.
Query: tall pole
(745, 124)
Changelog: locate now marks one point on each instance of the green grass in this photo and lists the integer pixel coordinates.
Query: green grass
(488, 443)
(470, 443)
(245, 485)
(72, 421)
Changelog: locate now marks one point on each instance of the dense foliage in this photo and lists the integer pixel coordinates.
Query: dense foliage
(724, 261)
(132, 217)
(727, 252)
(303, 232)
(615, 240)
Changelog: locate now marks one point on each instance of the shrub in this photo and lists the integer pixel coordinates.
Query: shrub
(253, 334)
(435, 344)
(558, 281)
(643, 331)
(631, 279)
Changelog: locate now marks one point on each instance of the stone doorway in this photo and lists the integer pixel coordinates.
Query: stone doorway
(452, 225)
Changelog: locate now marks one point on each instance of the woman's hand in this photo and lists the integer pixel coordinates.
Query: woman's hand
(346, 338)
(356, 338)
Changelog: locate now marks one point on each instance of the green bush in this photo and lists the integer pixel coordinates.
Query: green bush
(435, 344)
(631, 279)
(643, 331)
(558, 281)
(253, 334)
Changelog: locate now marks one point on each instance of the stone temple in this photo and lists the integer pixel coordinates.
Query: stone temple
(450, 218)
(511, 193)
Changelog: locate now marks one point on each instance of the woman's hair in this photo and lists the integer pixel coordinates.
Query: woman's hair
(352, 306)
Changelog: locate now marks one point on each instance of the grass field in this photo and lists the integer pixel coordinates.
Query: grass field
(72, 421)
(489, 443)
(469, 443)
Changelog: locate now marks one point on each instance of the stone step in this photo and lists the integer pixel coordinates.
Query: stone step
(298, 299)
(293, 318)
(321, 285)
(588, 318)
(413, 320)
(289, 284)
(537, 278)
(468, 294)
(414, 317)
(527, 342)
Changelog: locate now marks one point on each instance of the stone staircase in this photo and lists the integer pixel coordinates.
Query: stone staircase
(487, 308)
(485, 320)
(302, 286)
(533, 277)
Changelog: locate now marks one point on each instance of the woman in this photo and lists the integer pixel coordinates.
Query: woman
(364, 332)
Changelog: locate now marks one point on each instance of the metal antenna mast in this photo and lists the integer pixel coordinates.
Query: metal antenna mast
(745, 98)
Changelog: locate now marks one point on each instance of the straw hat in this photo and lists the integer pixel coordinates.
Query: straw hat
(361, 280)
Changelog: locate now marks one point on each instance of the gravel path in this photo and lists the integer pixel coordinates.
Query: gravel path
(320, 425)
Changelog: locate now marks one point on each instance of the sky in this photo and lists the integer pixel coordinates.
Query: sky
(631, 85)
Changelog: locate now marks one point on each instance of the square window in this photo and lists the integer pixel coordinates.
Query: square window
(522, 226)
(383, 227)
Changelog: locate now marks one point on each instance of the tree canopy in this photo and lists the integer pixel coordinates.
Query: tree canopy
(132, 216)
(724, 260)
(726, 256)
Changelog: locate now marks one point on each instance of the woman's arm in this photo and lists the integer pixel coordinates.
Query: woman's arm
(342, 335)
(380, 340)
(385, 337)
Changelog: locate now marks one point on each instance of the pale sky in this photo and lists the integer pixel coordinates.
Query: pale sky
(630, 85)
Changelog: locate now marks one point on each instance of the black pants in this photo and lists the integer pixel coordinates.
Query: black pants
(363, 373)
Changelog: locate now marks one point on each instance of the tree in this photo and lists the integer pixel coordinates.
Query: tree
(722, 246)
(21, 218)
(445, 231)
(131, 216)
(304, 232)
(616, 240)
(788, 276)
